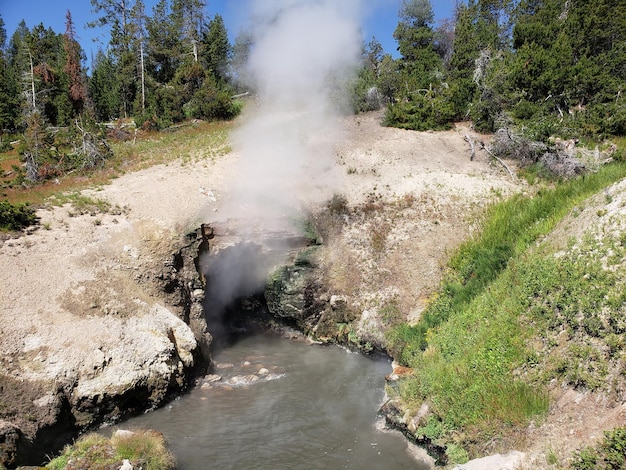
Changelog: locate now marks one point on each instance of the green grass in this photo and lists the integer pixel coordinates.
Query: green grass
(471, 349)
(145, 449)
(580, 296)
(191, 143)
(510, 227)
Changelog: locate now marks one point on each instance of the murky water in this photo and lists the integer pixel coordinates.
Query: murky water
(310, 407)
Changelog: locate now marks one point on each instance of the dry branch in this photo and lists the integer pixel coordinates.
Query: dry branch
(561, 157)
(472, 144)
(499, 160)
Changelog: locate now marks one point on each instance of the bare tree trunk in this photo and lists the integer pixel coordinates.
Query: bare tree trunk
(32, 79)
(143, 82)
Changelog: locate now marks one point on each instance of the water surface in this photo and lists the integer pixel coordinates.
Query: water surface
(313, 407)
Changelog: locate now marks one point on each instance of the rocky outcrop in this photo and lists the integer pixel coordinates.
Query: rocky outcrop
(183, 283)
(152, 360)
(136, 376)
(298, 295)
(10, 436)
(130, 346)
(396, 418)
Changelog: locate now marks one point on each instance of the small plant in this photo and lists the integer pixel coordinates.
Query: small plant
(456, 454)
(378, 236)
(407, 201)
(610, 453)
(338, 205)
(551, 457)
(82, 204)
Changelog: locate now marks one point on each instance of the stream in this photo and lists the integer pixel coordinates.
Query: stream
(282, 404)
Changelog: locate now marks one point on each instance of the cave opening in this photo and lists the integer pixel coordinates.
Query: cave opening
(235, 276)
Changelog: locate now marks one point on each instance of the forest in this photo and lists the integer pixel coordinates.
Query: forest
(542, 67)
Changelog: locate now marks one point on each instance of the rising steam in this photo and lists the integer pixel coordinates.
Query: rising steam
(303, 54)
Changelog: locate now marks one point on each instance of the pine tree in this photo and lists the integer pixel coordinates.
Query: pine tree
(422, 92)
(9, 103)
(138, 27)
(419, 63)
(77, 90)
(569, 63)
(116, 14)
(163, 48)
(239, 62)
(217, 49)
(104, 87)
(189, 15)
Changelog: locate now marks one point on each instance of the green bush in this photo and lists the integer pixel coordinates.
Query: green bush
(16, 217)
(525, 110)
(421, 113)
(610, 453)
(212, 102)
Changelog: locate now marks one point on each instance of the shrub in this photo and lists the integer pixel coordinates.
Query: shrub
(610, 453)
(212, 102)
(16, 217)
(421, 113)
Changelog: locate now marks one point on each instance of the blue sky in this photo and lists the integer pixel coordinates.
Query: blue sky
(380, 20)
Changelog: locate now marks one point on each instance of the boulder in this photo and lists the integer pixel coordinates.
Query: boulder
(511, 461)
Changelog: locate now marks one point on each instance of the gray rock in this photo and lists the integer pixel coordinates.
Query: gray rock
(511, 461)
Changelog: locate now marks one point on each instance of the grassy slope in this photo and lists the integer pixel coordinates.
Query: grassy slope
(474, 366)
(192, 142)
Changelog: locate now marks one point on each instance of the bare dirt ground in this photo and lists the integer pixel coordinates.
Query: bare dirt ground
(73, 290)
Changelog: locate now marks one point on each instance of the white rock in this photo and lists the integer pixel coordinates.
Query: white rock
(510, 461)
(126, 465)
(123, 433)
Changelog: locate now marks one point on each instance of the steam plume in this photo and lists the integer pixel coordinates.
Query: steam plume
(303, 52)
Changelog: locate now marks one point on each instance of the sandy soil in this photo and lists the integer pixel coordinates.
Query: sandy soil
(62, 284)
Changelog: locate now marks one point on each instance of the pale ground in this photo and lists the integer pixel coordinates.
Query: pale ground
(61, 286)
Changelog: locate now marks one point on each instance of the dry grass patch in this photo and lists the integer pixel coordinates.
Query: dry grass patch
(142, 449)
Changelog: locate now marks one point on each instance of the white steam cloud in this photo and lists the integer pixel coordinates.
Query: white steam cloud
(303, 53)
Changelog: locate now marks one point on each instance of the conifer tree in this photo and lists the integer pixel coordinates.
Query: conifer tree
(9, 103)
(217, 49)
(104, 87)
(116, 15)
(163, 44)
(419, 62)
(77, 89)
